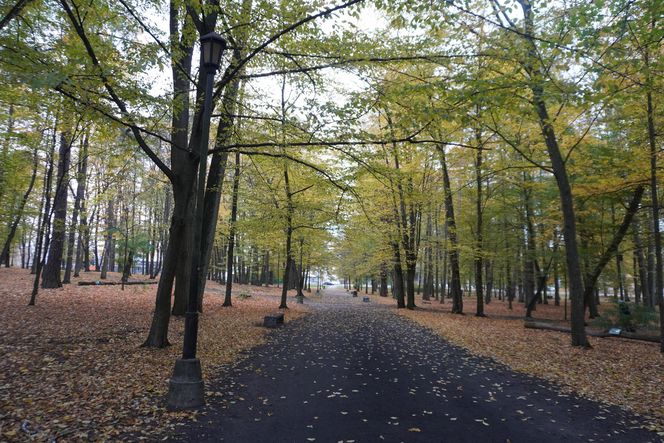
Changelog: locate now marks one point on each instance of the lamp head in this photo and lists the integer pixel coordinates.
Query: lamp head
(212, 48)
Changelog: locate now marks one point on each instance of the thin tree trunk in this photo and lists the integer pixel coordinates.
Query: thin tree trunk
(641, 261)
(231, 234)
(4, 255)
(109, 242)
(80, 189)
(455, 282)
(479, 247)
(42, 234)
(591, 280)
(530, 251)
(289, 237)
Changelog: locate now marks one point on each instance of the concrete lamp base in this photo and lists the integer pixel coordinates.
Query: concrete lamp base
(186, 389)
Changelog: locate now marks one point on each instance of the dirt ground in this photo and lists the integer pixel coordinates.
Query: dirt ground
(73, 368)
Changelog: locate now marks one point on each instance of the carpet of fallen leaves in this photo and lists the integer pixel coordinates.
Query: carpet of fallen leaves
(625, 373)
(73, 368)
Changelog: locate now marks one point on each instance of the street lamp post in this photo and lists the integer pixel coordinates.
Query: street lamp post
(186, 390)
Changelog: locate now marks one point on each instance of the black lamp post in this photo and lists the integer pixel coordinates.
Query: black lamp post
(186, 390)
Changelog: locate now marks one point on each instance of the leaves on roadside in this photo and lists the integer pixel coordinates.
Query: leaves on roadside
(73, 367)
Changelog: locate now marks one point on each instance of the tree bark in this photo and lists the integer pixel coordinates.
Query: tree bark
(80, 189)
(83, 245)
(4, 255)
(657, 239)
(51, 277)
(575, 279)
(455, 280)
(109, 242)
(479, 247)
(42, 234)
(231, 234)
(289, 238)
(641, 262)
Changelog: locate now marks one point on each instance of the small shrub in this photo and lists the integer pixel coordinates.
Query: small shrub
(628, 316)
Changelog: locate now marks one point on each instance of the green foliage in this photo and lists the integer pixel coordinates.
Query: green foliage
(635, 317)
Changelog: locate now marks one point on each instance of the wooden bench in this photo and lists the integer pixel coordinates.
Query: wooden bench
(273, 320)
(366, 299)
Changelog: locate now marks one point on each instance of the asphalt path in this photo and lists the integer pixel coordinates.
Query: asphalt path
(355, 372)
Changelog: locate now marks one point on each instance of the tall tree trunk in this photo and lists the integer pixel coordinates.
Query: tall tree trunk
(397, 279)
(657, 239)
(479, 247)
(217, 169)
(109, 242)
(455, 280)
(51, 277)
(641, 261)
(184, 167)
(488, 272)
(383, 281)
(126, 270)
(559, 168)
(301, 276)
(5, 150)
(42, 234)
(530, 251)
(4, 255)
(289, 238)
(231, 234)
(80, 189)
(83, 245)
(184, 256)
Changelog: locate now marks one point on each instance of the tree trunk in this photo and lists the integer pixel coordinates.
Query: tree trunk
(80, 189)
(83, 245)
(109, 243)
(231, 234)
(397, 279)
(530, 251)
(657, 239)
(4, 255)
(575, 279)
(455, 280)
(479, 247)
(289, 238)
(42, 234)
(641, 262)
(126, 271)
(184, 167)
(383, 281)
(51, 277)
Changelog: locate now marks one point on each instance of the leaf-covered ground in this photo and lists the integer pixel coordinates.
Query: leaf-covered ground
(620, 372)
(72, 367)
(352, 371)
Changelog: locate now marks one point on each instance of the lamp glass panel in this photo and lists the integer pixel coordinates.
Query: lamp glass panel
(216, 53)
(207, 51)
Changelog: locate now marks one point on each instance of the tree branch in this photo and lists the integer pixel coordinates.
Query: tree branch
(14, 12)
(230, 75)
(78, 27)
